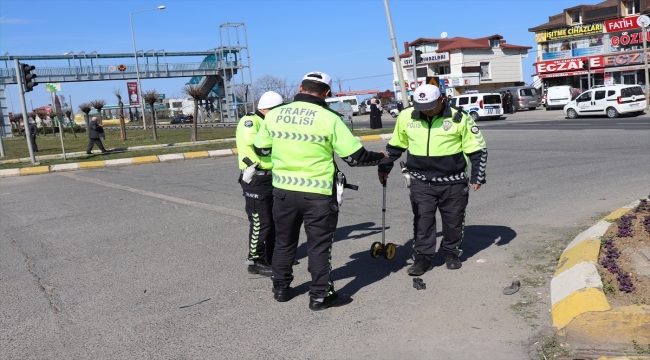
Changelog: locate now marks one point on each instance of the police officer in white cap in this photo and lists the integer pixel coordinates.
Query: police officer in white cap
(440, 140)
(256, 183)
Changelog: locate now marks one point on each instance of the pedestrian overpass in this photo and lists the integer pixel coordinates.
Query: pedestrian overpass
(223, 72)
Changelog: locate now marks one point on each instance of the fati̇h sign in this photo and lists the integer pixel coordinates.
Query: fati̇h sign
(569, 32)
(621, 24)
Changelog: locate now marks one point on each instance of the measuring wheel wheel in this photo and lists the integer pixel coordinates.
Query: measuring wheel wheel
(376, 250)
(389, 252)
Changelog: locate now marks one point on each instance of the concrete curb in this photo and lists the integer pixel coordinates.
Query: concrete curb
(579, 308)
(36, 170)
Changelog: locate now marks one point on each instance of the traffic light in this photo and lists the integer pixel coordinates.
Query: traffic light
(585, 64)
(418, 56)
(28, 77)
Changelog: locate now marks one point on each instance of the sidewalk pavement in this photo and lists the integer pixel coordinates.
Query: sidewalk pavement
(132, 148)
(36, 170)
(579, 309)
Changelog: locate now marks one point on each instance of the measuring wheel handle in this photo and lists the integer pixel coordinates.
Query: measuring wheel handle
(376, 250)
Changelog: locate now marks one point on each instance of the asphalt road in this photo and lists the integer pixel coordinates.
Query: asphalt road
(96, 264)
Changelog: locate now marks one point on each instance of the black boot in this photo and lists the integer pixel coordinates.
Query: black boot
(260, 267)
(281, 294)
(333, 300)
(452, 260)
(420, 266)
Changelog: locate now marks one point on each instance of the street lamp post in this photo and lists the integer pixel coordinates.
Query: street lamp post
(135, 56)
(644, 22)
(94, 52)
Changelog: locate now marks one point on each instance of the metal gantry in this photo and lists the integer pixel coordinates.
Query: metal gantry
(216, 74)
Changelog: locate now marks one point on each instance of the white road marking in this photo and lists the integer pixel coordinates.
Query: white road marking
(215, 208)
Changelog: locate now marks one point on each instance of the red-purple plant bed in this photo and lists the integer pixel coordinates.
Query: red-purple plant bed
(623, 283)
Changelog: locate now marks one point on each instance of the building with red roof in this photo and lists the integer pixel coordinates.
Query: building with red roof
(465, 64)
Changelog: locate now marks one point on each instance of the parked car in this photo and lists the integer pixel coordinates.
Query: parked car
(390, 106)
(366, 106)
(480, 105)
(610, 100)
(181, 119)
(558, 96)
(523, 97)
(350, 99)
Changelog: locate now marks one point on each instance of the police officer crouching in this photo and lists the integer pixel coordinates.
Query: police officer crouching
(256, 183)
(439, 139)
(301, 138)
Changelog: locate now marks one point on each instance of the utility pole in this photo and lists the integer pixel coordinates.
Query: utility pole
(644, 21)
(21, 95)
(398, 61)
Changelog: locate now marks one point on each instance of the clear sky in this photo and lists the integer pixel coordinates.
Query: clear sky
(347, 39)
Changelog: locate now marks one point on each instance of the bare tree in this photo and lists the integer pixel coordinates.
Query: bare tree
(150, 97)
(118, 94)
(98, 104)
(85, 108)
(339, 82)
(271, 83)
(69, 114)
(195, 93)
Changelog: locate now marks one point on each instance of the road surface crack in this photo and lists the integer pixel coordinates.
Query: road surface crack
(46, 288)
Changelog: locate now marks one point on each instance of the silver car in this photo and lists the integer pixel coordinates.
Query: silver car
(523, 97)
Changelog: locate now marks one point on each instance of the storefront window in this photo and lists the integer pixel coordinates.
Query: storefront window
(629, 78)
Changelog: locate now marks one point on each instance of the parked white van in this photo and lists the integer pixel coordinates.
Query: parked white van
(558, 96)
(480, 105)
(610, 100)
(351, 99)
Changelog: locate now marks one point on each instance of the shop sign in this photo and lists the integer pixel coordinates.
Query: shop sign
(624, 68)
(568, 64)
(470, 69)
(624, 59)
(621, 24)
(626, 39)
(427, 58)
(571, 73)
(569, 32)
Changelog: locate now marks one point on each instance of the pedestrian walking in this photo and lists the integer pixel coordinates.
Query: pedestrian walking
(95, 133)
(256, 182)
(400, 106)
(301, 138)
(509, 104)
(32, 134)
(439, 138)
(375, 115)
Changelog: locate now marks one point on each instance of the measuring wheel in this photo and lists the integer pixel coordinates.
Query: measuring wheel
(389, 251)
(376, 250)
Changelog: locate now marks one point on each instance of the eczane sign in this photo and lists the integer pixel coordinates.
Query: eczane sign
(568, 64)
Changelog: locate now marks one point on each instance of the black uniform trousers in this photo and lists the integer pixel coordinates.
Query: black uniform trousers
(451, 201)
(320, 214)
(259, 205)
(92, 142)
